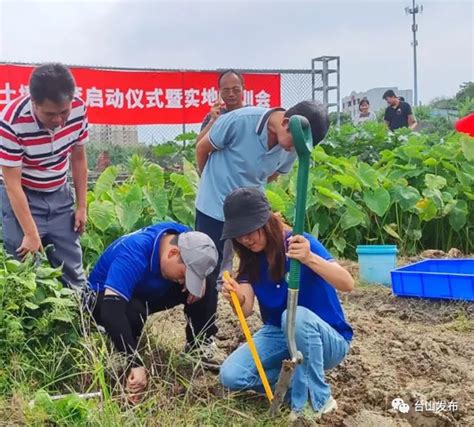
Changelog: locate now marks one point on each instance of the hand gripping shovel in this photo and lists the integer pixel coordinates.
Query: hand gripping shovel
(303, 142)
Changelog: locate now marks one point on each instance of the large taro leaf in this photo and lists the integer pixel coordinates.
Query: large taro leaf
(91, 240)
(377, 201)
(434, 182)
(390, 229)
(105, 181)
(367, 175)
(331, 194)
(183, 183)
(183, 209)
(158, 200)
(427, 209)
(319, 220)
(406, 197)
(102, 214)
(339, 243)
(190, 172)
(458, 215)
(128, 214)
(354, 215)
(347, 181)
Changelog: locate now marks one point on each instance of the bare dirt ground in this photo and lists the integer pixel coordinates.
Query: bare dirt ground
(413, 349)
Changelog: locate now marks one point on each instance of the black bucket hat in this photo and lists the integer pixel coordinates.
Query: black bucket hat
(246, 209)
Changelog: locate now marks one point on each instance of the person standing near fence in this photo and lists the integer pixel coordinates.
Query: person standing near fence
(246, 147)
(40, 135)
(231, 88)
(230, 98)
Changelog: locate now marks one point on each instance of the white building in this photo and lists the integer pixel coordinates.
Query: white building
(350, 104)
(114, 134)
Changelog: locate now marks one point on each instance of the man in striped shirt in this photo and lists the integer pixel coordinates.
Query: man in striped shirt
(40, 135)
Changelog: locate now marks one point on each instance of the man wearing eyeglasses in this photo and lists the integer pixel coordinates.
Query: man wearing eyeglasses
(230, 98)
(231, 90)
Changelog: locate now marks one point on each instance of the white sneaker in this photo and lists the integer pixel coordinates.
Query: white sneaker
(209, 354)
(309, 414)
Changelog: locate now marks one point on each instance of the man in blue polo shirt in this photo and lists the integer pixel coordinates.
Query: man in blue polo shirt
(150, 270)
(247, 147)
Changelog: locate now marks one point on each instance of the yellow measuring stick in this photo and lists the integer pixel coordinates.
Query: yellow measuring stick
(248, 337)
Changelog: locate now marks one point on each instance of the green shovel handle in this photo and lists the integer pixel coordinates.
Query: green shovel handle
(303, 142)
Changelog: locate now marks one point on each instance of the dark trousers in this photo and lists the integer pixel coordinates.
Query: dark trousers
(138, 309)
(201, 315)
(208, 304)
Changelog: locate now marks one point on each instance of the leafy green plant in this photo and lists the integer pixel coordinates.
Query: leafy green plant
(148, 196)
(69, 410)
(36, 313)
(418, 194)
(366, 185)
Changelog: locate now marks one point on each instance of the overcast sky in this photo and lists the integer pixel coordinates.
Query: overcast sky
(371, 37)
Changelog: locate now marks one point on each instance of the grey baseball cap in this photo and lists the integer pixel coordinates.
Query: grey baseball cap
(200, 256)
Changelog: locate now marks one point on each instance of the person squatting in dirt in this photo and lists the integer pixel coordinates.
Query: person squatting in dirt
(153, 269)
(264, 244)
(249, 146)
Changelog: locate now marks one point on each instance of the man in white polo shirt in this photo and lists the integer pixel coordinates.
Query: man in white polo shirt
(40, 135)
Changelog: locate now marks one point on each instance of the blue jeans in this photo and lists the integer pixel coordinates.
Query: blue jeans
(322, 347)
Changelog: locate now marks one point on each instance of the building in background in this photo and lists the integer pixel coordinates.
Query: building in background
(114, 134)
(350, 104)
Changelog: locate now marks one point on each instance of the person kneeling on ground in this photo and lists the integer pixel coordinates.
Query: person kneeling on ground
(264, 243)
(150, 270)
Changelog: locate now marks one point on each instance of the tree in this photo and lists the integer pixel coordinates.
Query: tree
(466, 90)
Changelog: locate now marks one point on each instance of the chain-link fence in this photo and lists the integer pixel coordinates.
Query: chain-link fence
(295, 86)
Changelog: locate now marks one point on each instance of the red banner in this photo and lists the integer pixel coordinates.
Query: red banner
(145, 97)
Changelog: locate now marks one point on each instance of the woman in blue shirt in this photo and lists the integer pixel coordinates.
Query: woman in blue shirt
(264, 244)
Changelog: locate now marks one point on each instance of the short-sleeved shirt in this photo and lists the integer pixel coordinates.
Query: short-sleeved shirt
(242, 158)
(315, 294)
(130, 266)
(42, 154)
(398, 117)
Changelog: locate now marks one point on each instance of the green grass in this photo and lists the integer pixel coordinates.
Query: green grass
(180, 392)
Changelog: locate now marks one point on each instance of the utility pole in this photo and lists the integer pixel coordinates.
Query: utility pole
(414, 27)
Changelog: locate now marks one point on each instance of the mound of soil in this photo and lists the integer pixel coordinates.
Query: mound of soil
(413, 349)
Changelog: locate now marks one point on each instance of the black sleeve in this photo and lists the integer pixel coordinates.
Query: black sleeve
(114, 319)
(385, 116)
(206, 120)
(408, 109)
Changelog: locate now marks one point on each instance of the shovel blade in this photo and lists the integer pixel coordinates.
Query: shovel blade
(286, 373)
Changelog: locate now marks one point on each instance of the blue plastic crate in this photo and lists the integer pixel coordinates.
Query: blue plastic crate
(436, 278)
